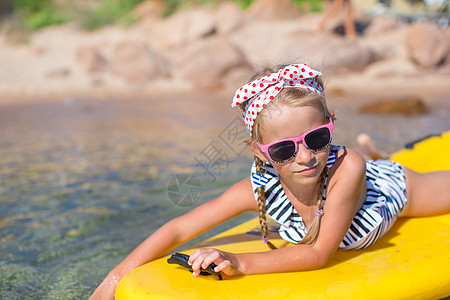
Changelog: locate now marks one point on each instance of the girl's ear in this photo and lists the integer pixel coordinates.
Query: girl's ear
(251, 143)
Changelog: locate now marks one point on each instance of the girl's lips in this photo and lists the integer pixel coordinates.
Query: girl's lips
(307, 170)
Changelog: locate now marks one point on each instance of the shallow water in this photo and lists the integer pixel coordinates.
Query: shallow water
(84, 181)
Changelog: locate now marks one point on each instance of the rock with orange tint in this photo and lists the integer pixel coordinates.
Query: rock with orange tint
(408, 106)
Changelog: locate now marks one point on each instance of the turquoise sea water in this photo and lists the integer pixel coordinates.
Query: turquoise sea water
(83, 182)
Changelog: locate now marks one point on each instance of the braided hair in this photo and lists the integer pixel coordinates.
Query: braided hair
(261, 200)
(313, 230)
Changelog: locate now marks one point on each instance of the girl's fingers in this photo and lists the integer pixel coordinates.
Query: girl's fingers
(223, 267)
(213, 257)
(197, 263)
(202, 258)
(193, 256)
(197, 253)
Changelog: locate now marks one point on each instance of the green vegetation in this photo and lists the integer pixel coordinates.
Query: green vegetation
(94, 14)
(106, 12)
(315, 5)
(174, 5)
(90, 15)
(32, 14)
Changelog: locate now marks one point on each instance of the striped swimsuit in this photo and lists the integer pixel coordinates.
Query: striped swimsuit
(385, 201)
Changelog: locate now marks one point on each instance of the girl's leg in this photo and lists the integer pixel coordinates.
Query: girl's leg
(367, 149)
(350, 29)
(428, 193)
(332, 10)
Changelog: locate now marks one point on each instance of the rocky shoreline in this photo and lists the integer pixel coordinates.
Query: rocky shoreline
(216, 49)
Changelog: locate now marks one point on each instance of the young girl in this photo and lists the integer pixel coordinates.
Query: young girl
(325, 197)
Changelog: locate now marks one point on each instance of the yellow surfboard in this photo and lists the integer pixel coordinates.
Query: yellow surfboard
(412, 261)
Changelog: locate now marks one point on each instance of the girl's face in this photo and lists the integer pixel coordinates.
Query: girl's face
(288, 122)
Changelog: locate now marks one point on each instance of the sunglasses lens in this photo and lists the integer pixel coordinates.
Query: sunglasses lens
(318, 139)
(282, 151)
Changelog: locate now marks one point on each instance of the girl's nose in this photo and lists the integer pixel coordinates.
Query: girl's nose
(304, 155)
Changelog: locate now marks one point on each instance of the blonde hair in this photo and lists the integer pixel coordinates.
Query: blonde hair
(288, 97)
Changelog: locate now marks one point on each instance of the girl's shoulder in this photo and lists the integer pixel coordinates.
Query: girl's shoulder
(348, 156)
(349, 163)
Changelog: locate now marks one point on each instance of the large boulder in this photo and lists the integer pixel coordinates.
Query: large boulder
(279, 42)
(273, 9)
(427, 44)
(381, 25)
(91, 59)
(228, 17)
(447, 37)
(347, 56)
(207, 63)
(445, 68)
(388, 45)
(136, 62)
(183, 27)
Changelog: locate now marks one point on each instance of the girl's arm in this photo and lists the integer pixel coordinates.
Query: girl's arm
(347, 180)
(236, 200)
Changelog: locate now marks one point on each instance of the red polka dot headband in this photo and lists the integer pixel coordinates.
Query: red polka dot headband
(261, 91)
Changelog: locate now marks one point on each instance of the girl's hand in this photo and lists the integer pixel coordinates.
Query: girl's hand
(225, 262)
(106, 289)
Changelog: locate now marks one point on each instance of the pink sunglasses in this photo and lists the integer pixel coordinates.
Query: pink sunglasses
(284, 150)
